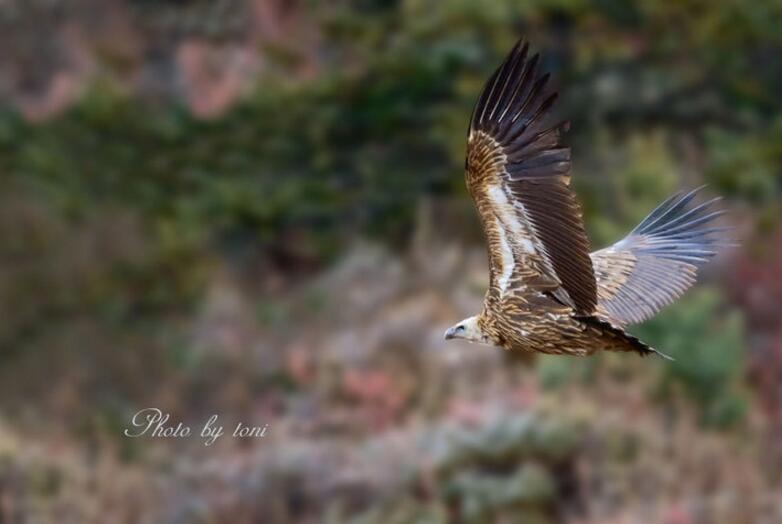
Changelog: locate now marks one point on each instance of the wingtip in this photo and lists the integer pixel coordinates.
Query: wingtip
(521, 47)
(677, 213)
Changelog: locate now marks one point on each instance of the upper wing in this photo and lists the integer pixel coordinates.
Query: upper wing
(654, 264)
(518, 173)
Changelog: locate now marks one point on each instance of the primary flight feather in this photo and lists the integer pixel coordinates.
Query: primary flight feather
(547, 293)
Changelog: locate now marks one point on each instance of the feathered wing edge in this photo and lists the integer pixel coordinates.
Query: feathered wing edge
(658, 260)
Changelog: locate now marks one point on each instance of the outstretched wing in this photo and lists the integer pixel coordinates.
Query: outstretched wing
(518, 173)
(654, 264)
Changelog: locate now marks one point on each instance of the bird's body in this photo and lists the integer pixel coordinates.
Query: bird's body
(538, 323)
(547, 293)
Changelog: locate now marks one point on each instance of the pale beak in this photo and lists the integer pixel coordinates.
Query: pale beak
(450, 333)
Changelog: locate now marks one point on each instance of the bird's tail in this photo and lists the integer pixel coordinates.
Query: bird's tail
(617, 339)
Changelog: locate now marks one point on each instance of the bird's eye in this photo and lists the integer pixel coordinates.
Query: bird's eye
(460, 329)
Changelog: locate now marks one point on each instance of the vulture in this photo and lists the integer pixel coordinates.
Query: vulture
(547, 293)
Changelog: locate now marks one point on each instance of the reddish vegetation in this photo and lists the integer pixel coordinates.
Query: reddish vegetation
(757, 288)
(115, 40)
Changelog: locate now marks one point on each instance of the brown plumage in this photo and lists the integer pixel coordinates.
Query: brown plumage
(547, 293)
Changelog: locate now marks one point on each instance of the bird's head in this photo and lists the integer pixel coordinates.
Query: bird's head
(469, 329)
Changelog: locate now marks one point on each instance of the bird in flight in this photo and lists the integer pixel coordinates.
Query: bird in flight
(547, 293)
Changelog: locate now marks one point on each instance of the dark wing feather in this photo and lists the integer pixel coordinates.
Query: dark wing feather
(656, 263)
(518, 172)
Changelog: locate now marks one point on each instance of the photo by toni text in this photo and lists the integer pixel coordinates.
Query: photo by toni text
(153, 423)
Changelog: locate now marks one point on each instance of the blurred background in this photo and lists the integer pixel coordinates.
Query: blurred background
(256, 208)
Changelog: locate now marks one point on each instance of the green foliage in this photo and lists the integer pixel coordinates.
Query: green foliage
(482, 495)
(350, 152)
(346, 152)
(506, 466)
(708, 349)
(750, 165)
(509, 438)
(404, 510)
(555, 372)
